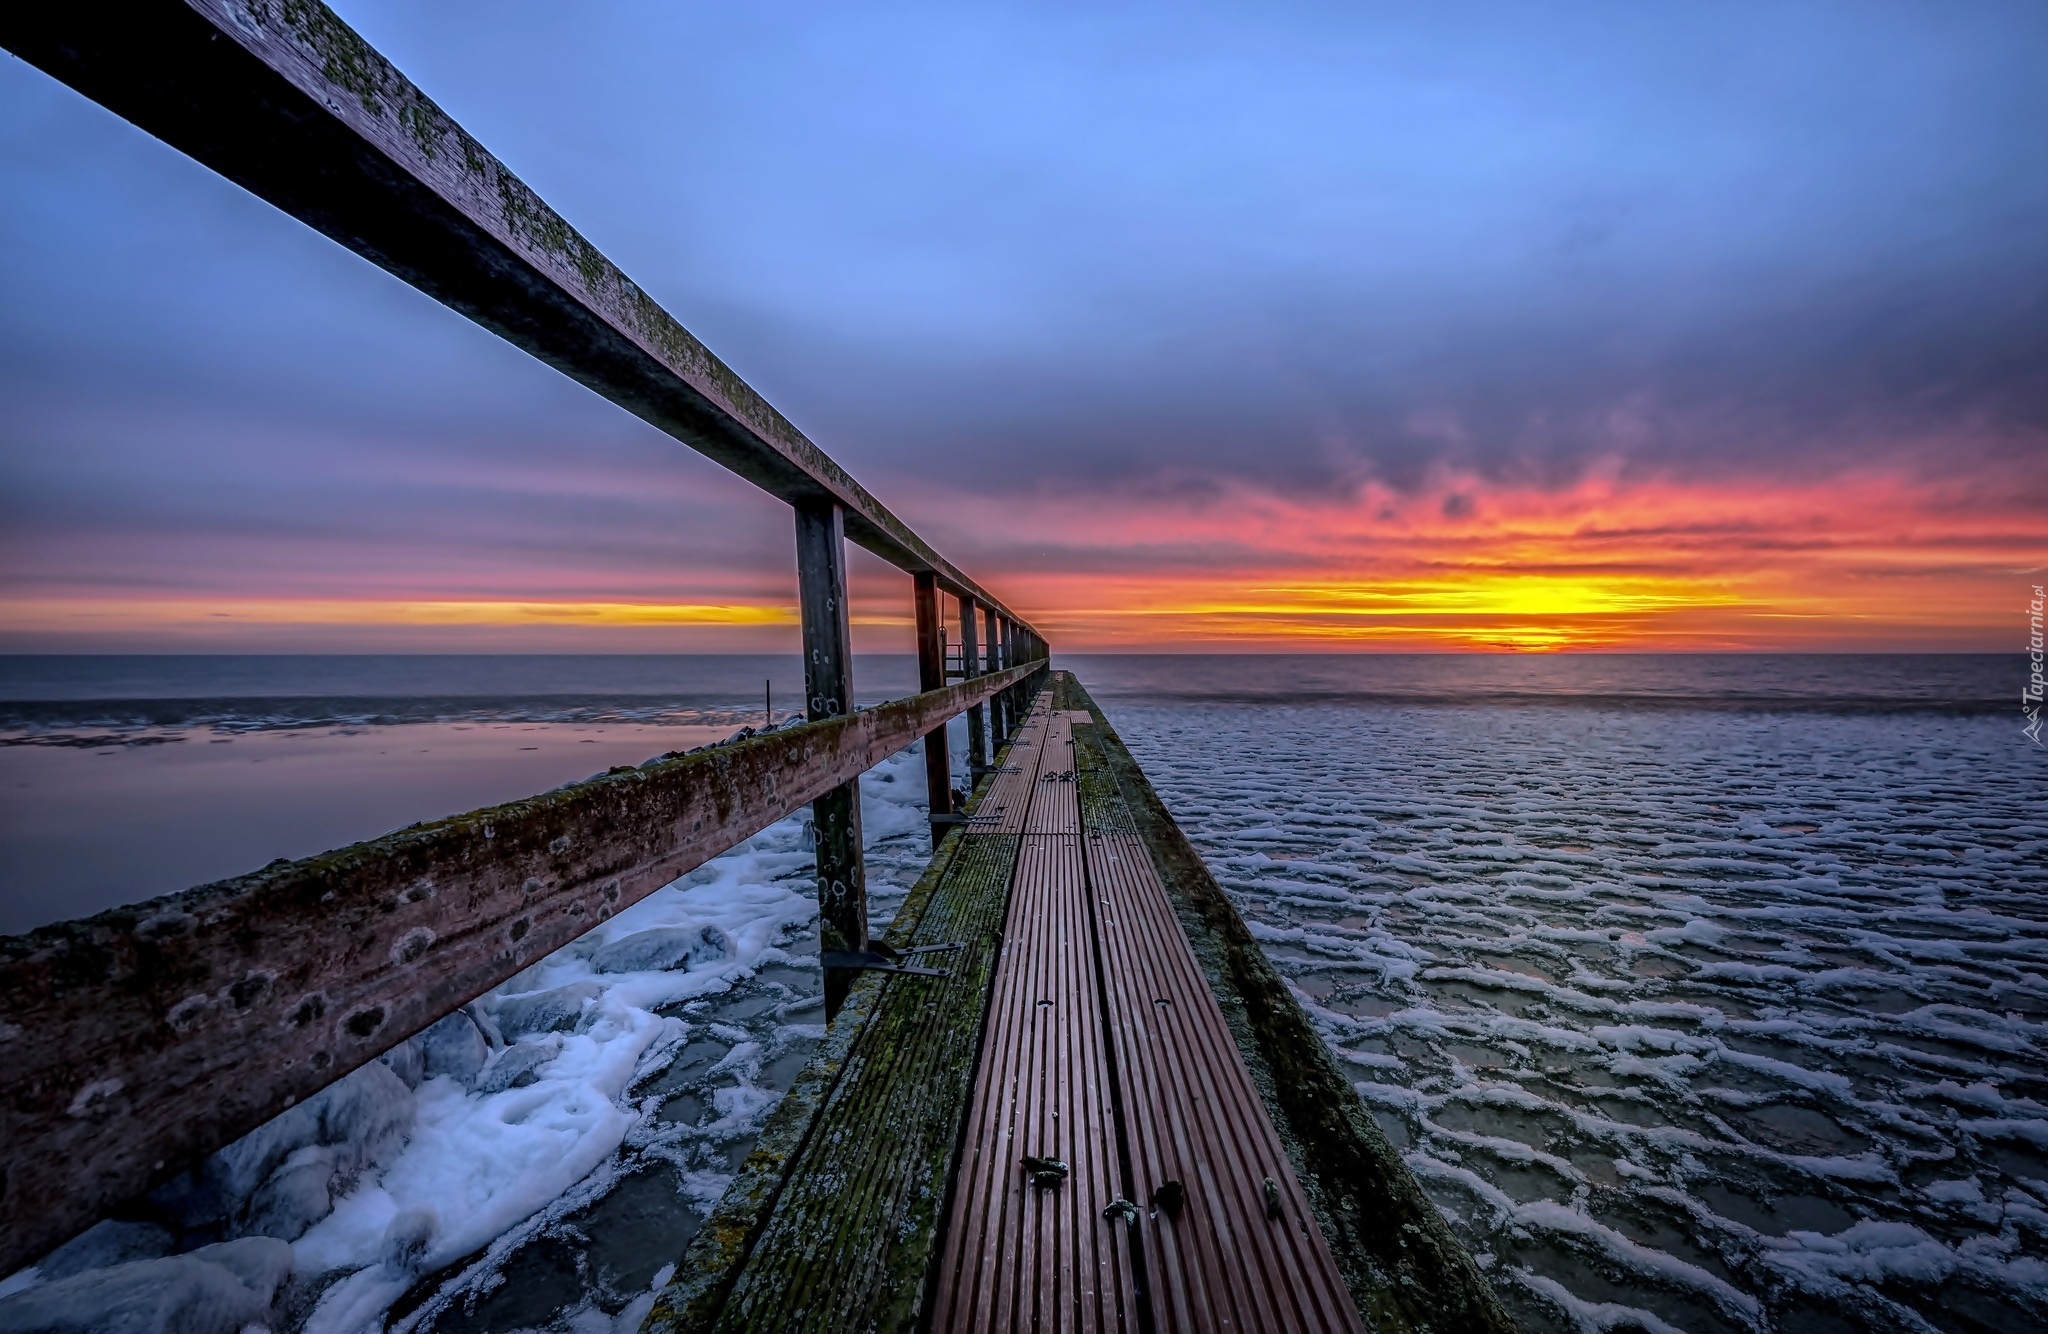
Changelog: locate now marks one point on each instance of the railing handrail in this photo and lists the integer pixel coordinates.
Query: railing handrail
(145, 1037)
(96, 1016)
(289, 102)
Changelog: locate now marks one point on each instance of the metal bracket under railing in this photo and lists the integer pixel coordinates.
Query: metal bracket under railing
(880, 958)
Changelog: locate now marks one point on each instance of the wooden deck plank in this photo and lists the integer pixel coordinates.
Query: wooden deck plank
(1103, 1021)
(1055, 805)
(1023, 1256)
(978, 1230)
(1073, 1122)
(1190, 1264)
(1006, 805)
(1191, 1112)
(1094, 1251)
(1223, 1264)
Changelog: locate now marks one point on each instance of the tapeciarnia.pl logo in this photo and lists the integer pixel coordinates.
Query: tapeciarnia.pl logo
(2030, 698)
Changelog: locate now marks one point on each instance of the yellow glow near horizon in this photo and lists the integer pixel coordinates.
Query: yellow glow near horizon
(1871, 559)
(55, 614)
(1477, 609)
(1481, 594)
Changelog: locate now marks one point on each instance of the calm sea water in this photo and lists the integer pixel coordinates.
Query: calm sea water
(1703, 994)
(126, 777)
(1780, 682)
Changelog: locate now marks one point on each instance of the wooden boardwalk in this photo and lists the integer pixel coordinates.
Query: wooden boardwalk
(1063, 1133)
(1020, 1255)
(1106, 1052)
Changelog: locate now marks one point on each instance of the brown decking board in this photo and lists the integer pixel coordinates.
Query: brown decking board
(833, 1221)
(1091, 948)
(1019, 1256)
(1224, 1263)
(1055, 804)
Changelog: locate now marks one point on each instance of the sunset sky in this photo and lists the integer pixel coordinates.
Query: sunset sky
(1365, 326)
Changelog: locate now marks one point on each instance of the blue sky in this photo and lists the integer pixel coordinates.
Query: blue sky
(1163, 253)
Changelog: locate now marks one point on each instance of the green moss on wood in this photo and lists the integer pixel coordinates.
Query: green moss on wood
(834, 1221)
(424, 124)
(346, 60)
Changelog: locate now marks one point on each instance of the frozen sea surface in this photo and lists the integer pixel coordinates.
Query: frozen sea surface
(1690, 1019)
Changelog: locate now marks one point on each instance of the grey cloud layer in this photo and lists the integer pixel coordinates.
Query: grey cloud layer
(1131, 247)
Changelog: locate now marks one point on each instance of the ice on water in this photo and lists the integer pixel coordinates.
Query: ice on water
(541, 1158)
(1690, 1021)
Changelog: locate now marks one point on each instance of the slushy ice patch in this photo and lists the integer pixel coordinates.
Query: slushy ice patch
(531, 1161)
(1706, 1022)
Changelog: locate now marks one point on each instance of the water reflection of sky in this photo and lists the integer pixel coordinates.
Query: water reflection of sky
(123, 777)
(85, 829)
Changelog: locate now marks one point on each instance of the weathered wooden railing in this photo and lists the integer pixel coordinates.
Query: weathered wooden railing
(135, 1042)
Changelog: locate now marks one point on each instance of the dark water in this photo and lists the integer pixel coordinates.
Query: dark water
(43, 697)
(699, 678)
(1703, 993)
(244, 690)
(126, 777)
(1959, 683)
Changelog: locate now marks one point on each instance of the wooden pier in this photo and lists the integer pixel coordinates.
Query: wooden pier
(1104, 1050)
(1108, 1115)
(1065, 1092)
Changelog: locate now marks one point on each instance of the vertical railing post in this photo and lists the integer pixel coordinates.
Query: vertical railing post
(1000, 638)
(931, 675)
(1012, 642)
(1013, 697)
(998, 716)
(999, 722)
(977, 717)
(828, 687)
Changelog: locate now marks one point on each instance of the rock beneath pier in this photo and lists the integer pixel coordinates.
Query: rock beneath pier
(279, 1179)
(517, 1065)
(109, 1242)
